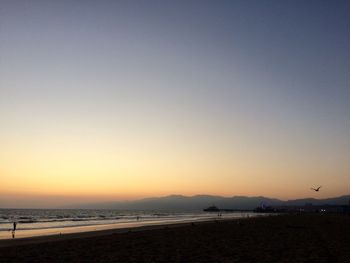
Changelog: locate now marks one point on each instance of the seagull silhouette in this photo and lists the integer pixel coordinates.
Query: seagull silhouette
(316, 189)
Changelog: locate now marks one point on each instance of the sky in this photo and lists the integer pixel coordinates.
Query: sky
(120, 100)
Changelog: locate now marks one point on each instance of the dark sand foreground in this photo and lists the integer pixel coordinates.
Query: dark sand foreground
(299, 238)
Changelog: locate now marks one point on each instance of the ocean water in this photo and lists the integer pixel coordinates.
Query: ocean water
(35, 222)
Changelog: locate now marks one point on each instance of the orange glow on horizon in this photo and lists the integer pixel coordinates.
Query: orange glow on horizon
(81, 169)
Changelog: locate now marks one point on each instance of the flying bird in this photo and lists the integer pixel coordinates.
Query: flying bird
(316, 189)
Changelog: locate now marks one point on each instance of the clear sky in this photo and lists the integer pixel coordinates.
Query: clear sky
(110, 100)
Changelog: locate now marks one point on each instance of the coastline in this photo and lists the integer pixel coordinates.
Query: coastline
(283, 238)
(64, 230)
(102, 230)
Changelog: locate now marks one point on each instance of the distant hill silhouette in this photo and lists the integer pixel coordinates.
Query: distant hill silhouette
(198, 202)
(341, 200)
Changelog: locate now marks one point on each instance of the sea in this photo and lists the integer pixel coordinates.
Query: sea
(38, 222)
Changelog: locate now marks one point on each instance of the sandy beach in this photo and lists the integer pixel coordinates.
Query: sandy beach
(286, 238)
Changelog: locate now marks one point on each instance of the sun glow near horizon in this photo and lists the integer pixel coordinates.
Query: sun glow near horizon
(90, 168)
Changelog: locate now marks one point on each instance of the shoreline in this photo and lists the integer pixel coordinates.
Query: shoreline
(70, 229)
(102, 230)
(319, 238)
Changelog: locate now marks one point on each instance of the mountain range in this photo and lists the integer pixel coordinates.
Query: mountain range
(199, 202)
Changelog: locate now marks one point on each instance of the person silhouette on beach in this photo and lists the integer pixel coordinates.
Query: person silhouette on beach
(14, 229)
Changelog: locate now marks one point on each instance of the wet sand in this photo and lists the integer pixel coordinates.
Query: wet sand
(286, 238)
(92, 228)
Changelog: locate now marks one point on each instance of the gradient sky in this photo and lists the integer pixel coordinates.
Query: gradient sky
(110, 100)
